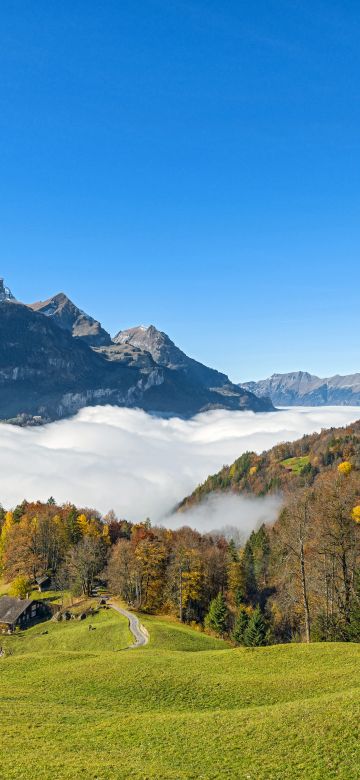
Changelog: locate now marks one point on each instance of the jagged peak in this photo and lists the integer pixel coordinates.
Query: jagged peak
(69, 317)
(5, 292)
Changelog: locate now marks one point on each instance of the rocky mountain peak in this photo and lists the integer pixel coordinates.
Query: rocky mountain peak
(166, 354)
(5, 292)
(69, 317)
(160, 346)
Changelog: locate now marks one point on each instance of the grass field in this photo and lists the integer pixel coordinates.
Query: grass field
(185, 707)
(296, 464)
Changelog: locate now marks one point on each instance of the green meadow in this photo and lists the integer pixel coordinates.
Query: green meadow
(296, 464)
(76, 704)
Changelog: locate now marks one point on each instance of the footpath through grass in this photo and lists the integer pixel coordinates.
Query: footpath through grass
(185, 707)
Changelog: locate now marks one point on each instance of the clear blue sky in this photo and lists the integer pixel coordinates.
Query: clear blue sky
(192, 164)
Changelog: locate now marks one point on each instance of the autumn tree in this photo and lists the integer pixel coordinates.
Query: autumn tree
(20, 587)
(84, 562)
(291, 537)
(122, 571)
(337, 537)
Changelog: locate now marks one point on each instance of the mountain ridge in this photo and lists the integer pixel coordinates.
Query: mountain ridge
(55, 359)
(299, 388)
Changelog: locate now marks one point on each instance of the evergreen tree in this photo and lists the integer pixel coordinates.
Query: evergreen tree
(241, 624)
(233, 552)
(260, 545)
(247, 575)
(255, 634)
(218, 616)
(73, 529)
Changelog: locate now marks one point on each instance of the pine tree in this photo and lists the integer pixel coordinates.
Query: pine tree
(248, 586)
(241, 624)
(255, 634)
(233, 552)
(73, 530)
(217, 618)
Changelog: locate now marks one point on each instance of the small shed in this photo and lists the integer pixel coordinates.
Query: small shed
(43, 583)
(19, 612)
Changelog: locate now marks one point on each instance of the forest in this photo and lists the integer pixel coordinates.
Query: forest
(295, 580)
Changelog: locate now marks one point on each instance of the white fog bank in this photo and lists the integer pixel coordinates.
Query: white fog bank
(141, 466)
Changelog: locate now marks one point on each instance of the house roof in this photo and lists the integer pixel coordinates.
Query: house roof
(11, 609)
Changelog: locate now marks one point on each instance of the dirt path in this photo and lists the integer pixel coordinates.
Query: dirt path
(138, 631)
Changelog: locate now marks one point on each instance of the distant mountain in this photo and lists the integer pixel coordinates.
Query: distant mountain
(302, 389)
(166, 354)
(54, 360)
(64, 312)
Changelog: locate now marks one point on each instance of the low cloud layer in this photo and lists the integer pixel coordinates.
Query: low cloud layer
(233, 516)
(141, 465)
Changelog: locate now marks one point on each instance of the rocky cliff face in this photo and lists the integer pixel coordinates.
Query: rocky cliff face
(302, 389)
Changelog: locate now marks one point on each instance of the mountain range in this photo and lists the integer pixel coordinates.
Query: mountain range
(302, 389)
(55, 359)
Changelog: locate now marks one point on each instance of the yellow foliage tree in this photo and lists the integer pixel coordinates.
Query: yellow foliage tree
(83, 524)
(345, 468)
(191, 577)
(20, 587)
(355, 514)
(7, 525)
(106, 534)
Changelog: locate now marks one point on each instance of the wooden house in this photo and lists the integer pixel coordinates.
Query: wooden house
(19, 613)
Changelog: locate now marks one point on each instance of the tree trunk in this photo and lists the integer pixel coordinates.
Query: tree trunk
(304, 591)
(347, 586)
(180, 595)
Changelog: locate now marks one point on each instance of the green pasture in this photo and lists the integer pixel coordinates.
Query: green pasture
(295, 465)
(75, 704)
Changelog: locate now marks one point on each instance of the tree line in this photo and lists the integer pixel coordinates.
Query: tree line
(297, 580)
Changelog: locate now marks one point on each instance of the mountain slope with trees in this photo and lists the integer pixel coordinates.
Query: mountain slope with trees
(286, 467)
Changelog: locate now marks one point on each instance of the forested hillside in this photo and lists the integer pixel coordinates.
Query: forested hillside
(286, 467)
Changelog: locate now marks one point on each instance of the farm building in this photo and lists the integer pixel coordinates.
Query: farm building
(43, 583)
(19, 612)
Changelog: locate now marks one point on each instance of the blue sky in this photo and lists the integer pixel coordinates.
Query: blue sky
(192, 164)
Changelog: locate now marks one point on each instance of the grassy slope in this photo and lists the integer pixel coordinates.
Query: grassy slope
(295, 464)
(184, 707)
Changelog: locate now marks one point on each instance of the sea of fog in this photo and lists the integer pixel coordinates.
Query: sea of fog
(141, 466)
